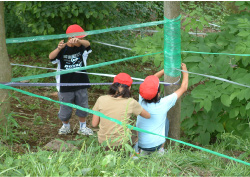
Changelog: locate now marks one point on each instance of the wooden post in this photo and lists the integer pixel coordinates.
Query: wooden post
(171, 11)
(5, 69)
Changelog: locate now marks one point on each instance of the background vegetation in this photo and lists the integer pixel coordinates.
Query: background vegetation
(215, 114)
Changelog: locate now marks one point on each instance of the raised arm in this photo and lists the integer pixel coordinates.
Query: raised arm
(159, 74)
(55, 52)
(184, 84)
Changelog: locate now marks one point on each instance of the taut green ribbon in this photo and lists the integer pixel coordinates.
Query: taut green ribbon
(120, 123)
(59, 36)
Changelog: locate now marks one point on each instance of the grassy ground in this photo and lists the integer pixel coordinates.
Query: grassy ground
(91, 160)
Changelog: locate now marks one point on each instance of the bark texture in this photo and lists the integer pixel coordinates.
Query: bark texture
(171, 11)
(5, 69)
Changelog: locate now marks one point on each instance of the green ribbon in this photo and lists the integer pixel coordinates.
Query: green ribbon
(78, 69)
(120, 123)
(209, 53)
(172, 46)
(59, 36)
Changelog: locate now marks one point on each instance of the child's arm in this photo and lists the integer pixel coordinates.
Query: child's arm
(145, 114)
(159, 74)
(184, 84)
(85, 43)
(55, 52)
(95, 120)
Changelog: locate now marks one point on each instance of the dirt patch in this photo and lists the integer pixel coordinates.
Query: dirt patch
(37, 120)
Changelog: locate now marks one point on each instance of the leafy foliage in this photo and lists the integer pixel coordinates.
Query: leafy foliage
(54, 17)
(42, 18)
(213, 106)
(198, 14)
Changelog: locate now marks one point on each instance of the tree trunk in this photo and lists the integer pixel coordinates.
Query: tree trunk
(5, 69)
(171, 11)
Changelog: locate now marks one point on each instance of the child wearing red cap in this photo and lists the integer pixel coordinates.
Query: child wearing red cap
(119, 105)
(158, 108)
(70, 55)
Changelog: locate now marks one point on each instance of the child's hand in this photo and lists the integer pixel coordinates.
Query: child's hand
(73, 40)
(183, 66)
(61, 45)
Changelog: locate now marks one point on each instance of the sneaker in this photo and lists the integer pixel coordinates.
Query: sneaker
(136, 148)
(85, 131)
(145, 153)
(64, 130)
(161, 151)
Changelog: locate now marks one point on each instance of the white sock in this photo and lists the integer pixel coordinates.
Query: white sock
(82, 124)
(66, 125)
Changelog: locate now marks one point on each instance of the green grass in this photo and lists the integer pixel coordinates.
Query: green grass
(91, 160)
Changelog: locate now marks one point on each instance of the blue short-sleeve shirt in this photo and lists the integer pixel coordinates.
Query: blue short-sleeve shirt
(156, 123)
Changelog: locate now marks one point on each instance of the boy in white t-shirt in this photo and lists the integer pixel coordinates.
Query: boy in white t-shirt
(158, 108)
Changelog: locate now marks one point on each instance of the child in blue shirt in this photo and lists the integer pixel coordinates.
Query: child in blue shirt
(158, 108)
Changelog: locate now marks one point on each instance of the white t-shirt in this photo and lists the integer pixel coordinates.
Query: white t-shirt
(156, 123)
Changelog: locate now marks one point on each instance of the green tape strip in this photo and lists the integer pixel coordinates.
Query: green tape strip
(120, 123)
(59, 36)
(209, 53)
(172, 46)
(78, 69)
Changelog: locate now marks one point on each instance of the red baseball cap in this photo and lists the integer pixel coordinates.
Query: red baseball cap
(123, 78)
(75, 29)
(149, 88)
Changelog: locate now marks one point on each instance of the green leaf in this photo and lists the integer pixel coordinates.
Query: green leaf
(219, 127)
(186, 22)
(200, 26)
(235, 94)
(243, 33)
(75, 12)
(243, 110)
(187, 28)
(248, 106)
(209, 126)
(157, 62)
(207, 105)
(129, 148)
(225, 99)
(193, 59)
(247, 93)
(204, 48)
(8, 161)
(239, 3)
(204, 138)
(234, 112)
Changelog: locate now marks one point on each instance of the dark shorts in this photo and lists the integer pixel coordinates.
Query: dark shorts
(166, 127)
(152, 149)
(79, 97)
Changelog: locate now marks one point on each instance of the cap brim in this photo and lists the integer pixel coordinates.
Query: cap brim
(80, 36)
